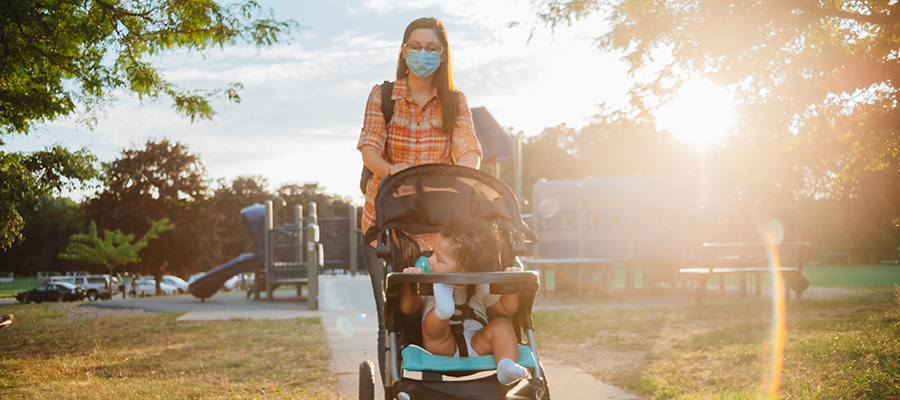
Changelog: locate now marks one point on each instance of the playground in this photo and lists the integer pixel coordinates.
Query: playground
(659, 346)
(628, 334)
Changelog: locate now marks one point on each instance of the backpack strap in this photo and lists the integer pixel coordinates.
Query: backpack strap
(387, 110)
(387, 103)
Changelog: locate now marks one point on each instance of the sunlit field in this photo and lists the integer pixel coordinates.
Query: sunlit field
(49, 353)
(819, 276)
(842, 347)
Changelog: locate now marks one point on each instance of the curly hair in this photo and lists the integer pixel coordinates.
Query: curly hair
(474, 243)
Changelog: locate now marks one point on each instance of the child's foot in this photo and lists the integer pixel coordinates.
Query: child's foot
(443, 301)
(508, 371)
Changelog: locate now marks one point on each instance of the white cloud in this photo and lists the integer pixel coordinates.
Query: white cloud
(302, 102)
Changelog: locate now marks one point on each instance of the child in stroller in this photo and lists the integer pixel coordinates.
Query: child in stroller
(467, 244)
(421, 200)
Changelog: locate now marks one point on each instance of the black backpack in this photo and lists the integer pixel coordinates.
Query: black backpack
(387, 109)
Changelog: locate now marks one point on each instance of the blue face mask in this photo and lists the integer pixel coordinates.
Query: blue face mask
(422, 63)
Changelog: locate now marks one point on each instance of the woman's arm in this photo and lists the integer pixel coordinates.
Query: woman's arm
(471, 159)
(372, 159)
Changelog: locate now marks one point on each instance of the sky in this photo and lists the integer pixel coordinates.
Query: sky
(303, 101)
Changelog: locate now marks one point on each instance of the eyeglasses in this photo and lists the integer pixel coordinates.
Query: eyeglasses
(431, 49)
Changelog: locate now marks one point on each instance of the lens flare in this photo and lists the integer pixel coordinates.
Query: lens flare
(345, 327)
(361, 317)
(549, 207)
(772, 383)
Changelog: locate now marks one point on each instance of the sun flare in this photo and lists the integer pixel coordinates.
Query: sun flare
(700, 115)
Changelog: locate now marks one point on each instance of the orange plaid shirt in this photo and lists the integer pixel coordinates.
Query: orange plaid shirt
(414, 137)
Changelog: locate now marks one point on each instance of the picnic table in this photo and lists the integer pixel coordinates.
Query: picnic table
(743, 259)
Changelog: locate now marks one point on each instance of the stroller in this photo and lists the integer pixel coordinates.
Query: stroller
(415, 201)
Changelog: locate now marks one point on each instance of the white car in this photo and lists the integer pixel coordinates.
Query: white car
(147, 287)
(179, 283)
(196, 276)
(237, 282)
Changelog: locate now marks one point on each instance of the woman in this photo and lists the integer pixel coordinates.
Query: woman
(431, 123)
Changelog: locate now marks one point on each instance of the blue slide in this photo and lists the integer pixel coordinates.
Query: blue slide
(209, 284)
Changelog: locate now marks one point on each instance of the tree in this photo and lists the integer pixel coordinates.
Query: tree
(47, 227)
(116, 248)
(161, 180)
(64, 57)
(28, 177)
(226, 204)
(816, 76)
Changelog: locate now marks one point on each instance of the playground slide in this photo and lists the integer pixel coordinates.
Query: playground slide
(209, 284)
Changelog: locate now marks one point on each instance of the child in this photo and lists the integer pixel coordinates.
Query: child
(468, 245)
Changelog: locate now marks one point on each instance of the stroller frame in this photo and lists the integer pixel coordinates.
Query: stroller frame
(415, 201)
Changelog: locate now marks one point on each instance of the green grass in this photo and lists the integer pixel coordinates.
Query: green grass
(9, 290)
(845, 348)
(856, 276)
(859, 276)
(46, 355)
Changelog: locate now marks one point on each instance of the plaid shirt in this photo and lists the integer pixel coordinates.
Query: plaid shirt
(414, 137)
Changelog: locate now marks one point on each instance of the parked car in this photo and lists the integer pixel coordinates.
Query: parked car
(232, 283)
(147, 287)
(249, 279)
(179, 283)
(95, 286)
(56, 291)
(196, 276)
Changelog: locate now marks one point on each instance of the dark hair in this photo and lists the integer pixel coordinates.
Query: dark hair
(443, 77)
(474, 243)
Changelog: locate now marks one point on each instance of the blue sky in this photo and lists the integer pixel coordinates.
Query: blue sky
(302, 102)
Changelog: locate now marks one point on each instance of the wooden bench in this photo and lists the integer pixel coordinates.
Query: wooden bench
(742, 259)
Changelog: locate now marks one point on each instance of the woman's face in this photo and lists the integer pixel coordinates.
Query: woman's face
(423, 38)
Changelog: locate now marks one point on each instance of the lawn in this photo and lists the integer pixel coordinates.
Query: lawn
(860, 276)
(48, 353)
(836, 348)
(9, 290)
(819, 276)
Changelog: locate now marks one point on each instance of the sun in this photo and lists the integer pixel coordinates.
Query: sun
(701, 114)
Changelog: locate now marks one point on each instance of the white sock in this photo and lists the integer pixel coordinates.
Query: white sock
(443, 301)
(508, 371)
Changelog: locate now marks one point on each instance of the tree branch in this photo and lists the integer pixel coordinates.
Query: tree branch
(106, 6)
(889, 18)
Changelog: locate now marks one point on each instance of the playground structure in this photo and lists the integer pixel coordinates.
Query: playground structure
(653, 223)
(287, 255)
(294, 254)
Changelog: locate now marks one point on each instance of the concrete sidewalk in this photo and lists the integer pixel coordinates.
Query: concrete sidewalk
(348, 316)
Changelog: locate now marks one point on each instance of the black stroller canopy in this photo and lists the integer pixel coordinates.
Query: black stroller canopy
(418, 199)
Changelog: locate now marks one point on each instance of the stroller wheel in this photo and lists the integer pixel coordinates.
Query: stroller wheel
(545, 393)
(366, 380)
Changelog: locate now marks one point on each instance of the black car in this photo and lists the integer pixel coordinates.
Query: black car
(56, 291)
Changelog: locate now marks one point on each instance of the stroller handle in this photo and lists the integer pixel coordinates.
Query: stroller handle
(528, 280)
